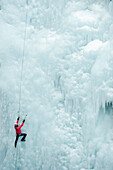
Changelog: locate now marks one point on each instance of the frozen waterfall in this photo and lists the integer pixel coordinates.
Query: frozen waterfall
(67, 85)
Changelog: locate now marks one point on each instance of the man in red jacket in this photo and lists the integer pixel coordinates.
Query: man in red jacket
(18, 131)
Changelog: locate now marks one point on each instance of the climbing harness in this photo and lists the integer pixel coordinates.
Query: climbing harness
(21, 77)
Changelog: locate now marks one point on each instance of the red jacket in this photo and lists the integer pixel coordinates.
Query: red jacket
(18, 129)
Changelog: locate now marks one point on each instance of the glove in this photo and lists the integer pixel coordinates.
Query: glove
(18, 118)
(23, 120)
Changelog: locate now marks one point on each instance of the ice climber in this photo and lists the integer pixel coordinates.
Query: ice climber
(18, 131)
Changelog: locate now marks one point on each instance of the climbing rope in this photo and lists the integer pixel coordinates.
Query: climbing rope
(21, 76)
(16, 158)
(23, 56)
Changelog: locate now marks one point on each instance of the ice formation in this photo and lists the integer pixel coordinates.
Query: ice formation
(67, 86)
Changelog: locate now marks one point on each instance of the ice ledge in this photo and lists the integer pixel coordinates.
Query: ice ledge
(93, 45)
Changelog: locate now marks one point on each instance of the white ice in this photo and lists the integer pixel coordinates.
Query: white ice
(67, 84)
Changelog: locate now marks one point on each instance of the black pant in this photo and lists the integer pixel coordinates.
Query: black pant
(17, 137)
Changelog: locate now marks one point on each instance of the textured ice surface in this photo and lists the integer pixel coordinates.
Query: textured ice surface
(67, 87)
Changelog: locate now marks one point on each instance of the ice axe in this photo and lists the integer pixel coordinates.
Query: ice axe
(25, 116)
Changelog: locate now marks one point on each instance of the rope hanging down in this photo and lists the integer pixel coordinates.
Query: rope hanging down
(23, 56)
(22, 65)
(16, 159)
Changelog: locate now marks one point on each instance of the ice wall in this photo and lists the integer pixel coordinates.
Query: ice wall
(67, 84)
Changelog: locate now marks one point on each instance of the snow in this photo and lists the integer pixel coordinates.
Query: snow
(93, 45)
(67, 84)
